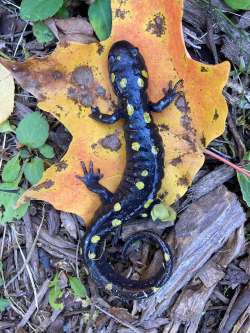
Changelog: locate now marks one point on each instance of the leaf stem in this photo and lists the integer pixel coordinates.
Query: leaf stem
(232, 165)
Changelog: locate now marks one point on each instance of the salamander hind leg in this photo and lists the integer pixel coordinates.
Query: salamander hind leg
(91, 180)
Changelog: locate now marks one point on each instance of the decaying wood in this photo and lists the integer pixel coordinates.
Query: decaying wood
(209, 182)
(190, 305)
(200, 232)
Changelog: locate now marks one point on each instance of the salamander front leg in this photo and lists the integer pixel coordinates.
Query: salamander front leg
(91, 180)
(169, 96)
(105, 118)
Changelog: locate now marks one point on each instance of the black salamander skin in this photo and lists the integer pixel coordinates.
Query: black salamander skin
(141, 180)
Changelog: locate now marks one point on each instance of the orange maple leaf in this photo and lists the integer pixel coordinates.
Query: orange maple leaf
(76, 76)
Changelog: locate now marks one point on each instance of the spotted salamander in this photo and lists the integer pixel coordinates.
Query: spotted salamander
(141, 180)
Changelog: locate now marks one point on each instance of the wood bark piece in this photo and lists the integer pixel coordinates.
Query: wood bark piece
(190, 305)
(209, 182)
(200, 232)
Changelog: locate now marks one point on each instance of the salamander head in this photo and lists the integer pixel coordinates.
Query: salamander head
(127, 69)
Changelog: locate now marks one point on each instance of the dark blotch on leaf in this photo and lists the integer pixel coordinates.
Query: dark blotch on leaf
(186, 122)
(100, 49)
(163, 128)
(83, 76)
(57, 75)
(176, 161)
(47, 184)
(111, 142)
(162, 195)
(183, 181)
(157, 26)
(216, 115)
(83, 97)
(204, 69)
(203, 140)
(121, 13)
(60, 166)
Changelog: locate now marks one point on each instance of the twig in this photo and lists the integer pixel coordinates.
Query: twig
(26, 265)
(3, 146)
(232, 165)
(134, 329)
(43, 290)
(3, 240)
(10, 3)
(26, 261)
(20, 39)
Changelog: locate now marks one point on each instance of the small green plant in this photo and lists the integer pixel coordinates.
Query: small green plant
(32, 133)
(238, 4)
(55, 293)
(77, 287)
(244, 181)
(38, 11)
(99, 13)
(163, 213)
(100, 16)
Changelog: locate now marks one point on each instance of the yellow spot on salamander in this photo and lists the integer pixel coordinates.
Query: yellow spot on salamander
(116, 223)
(130, 109)
(95, 239)
(140, 185)
(155, 289)
(147, 118)
(91, 255)
(166, 257)
(123, 83)
(112, 77)
(148, 203)
(140, 82)
(117, 207)
(154, 150)
(144, 173)
(118, 58)
(144, 215)
(136, 146)
(109, 286)
(144, 74)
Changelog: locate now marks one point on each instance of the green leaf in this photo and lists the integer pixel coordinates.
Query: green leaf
(63, 12)
(47, 151)
(11, 169)
(33, 130)
(4, 303)
(78, 288)
(55, 293)
(42, 32)
(244, 181)
(38, 10)
(33, 170)
(100, 16)
(163, 213)
(5, 127)
(238, 4)
(9, 211)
